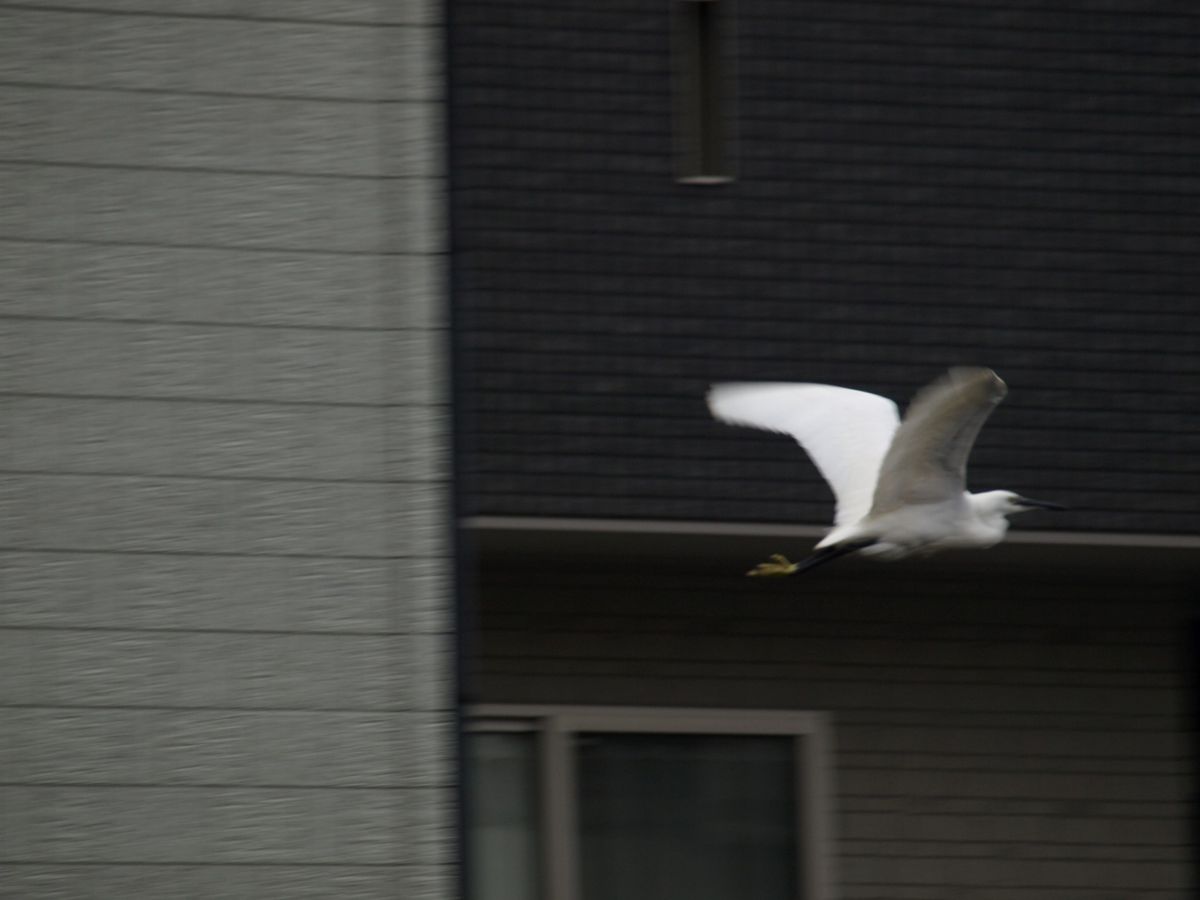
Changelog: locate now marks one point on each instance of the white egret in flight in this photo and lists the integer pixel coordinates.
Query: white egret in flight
(900, 486)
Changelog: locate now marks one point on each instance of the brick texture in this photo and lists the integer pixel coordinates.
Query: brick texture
(919, 186)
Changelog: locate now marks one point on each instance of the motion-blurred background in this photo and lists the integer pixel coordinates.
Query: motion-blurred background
(363, 532)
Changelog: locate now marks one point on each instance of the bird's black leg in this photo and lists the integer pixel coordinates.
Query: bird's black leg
(780, 565)
(829, 554)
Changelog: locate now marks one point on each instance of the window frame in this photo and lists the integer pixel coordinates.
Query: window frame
(553, 726)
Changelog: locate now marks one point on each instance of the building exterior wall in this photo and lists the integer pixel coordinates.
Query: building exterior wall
(919, 185)
(224, 630)
(996, 735)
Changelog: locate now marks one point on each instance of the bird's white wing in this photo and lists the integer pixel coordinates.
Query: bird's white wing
(845, 432)
(927, 462)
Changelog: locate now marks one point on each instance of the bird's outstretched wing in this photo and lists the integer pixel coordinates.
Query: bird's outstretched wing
(927, 461)
(845, 432)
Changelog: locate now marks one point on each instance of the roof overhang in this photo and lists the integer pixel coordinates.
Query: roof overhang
(543, 541)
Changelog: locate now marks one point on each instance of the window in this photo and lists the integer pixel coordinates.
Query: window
(702, 92)
(502, 794)
(577, 803)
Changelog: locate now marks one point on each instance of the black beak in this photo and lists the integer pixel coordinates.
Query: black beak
(1039, 504)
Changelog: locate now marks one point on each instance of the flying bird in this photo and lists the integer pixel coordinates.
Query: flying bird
(900, 485)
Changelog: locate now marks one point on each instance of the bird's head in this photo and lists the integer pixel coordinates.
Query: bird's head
(1006, 503)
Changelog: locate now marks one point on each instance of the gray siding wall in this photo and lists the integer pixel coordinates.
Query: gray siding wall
(997, 737)
(224, 660)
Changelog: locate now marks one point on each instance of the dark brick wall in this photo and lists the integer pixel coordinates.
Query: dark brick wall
(920, 185)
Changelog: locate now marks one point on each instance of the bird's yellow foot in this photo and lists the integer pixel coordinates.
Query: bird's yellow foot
(777, 566)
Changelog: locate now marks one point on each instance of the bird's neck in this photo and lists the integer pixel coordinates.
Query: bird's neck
(988, 514)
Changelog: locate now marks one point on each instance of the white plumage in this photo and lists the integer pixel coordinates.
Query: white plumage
(900, 486)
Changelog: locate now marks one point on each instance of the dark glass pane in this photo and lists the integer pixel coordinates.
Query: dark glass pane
(687, 817)
(502, 817)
